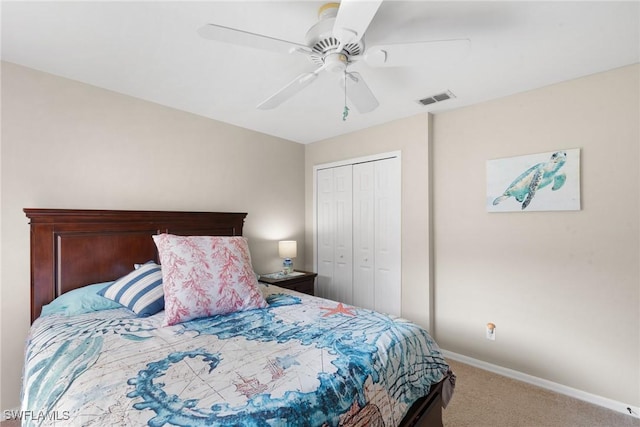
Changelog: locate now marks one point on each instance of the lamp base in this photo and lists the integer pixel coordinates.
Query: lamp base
(287, 266)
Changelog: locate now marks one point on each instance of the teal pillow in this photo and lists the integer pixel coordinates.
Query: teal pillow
(79, 301)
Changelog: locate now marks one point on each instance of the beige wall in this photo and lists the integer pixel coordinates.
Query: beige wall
(70, 145)
(409, 136)
(562, 287)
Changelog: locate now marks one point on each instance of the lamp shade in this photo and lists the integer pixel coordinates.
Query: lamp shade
(287, 249)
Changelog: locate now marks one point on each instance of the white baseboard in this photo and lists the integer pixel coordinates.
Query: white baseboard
(549, 385)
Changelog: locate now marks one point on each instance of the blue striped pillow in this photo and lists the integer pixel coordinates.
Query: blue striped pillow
(140, 291)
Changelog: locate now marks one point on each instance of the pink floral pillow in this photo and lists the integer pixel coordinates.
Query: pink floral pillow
(206, 275)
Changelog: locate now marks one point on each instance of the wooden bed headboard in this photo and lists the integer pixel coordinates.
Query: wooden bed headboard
(71, 248)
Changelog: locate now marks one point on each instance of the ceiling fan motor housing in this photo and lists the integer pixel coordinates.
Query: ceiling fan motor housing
(322, 42)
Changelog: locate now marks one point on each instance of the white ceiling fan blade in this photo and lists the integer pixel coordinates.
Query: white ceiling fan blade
(353, 19)
(295, 86)
(359, 93)
(417, 53)
(245, 38)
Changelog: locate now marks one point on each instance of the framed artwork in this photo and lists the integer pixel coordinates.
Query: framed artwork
(536, 182)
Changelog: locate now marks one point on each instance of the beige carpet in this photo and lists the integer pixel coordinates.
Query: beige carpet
(486, 399)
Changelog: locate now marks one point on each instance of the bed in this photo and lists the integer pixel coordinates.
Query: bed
(296, 360)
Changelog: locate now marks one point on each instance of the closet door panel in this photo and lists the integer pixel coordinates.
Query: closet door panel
(363, 235)
(325, 217)
(343, 240)
(387, 241)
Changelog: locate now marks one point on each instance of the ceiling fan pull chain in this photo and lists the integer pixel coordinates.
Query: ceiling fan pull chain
(345, 112)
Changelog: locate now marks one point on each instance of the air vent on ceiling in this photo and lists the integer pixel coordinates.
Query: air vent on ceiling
(437, 98)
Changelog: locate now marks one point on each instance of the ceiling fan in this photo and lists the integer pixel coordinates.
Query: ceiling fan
(333, 44)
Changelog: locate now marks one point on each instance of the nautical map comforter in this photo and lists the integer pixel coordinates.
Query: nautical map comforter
(303, 361)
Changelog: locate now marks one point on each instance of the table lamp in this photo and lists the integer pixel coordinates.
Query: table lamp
(287, 249)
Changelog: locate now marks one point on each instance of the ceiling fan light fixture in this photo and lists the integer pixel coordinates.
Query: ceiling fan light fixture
(335, 63)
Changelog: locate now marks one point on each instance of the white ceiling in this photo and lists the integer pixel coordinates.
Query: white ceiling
(151, 50)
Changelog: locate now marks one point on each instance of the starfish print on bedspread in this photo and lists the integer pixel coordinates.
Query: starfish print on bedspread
(339, 309)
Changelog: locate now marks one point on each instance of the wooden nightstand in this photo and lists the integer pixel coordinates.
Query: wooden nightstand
(301, 283)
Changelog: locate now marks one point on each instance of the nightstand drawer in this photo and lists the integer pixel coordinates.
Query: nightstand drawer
(301, 283)
(305, 287)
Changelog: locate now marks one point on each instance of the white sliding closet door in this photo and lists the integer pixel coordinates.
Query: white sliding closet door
(358, 234)
(387, 242)
(334, 228)
(364, 235)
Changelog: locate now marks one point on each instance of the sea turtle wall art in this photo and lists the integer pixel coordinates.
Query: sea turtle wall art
(537, 182)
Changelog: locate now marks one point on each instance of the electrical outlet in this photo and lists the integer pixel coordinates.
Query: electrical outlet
(491, 331)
